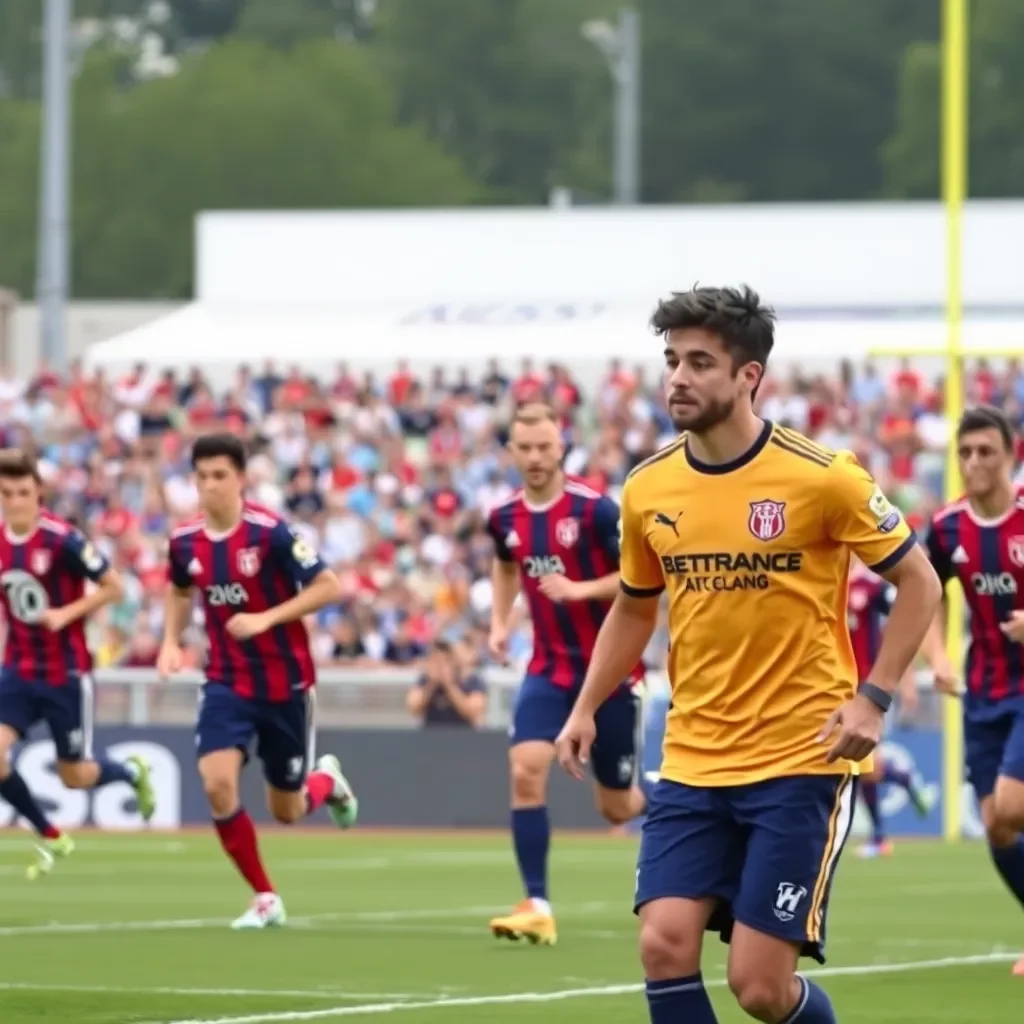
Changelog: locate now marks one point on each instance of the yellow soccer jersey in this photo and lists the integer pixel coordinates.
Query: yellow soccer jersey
(755, 556)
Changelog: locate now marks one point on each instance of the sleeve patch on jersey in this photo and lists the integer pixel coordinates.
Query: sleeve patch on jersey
(882, 509)
(304, 554)
(91, 558)
(890, 522)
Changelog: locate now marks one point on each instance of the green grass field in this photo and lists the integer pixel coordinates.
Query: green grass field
(133, 929)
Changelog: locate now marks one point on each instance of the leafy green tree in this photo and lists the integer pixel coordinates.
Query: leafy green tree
(284, 25)
(509, 86)
(239, 127)
(912, 156)
(788, 100)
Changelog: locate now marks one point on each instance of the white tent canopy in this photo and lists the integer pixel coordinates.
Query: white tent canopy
(219, 340)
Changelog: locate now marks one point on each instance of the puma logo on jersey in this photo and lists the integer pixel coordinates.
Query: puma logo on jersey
(664, 520)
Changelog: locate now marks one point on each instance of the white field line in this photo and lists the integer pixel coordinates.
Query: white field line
(438, 859)
(89, 845)
(164, 990)
(368, 1009)
(189, 924)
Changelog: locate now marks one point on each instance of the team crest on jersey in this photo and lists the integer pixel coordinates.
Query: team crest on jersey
(40, 562)
(249, 561)
(567, 532)
(766, 519)
(1015, 548)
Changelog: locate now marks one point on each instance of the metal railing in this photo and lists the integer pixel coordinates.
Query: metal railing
(347, 698)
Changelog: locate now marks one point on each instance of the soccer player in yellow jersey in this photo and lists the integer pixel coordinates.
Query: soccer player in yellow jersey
(750, 528)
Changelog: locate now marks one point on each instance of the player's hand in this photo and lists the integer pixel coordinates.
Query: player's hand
(1013, 628)
(246, 625)
(859, 726)
(947, 680)
(54, 619)
(558, 589)
(497, 644)
(170, 661)
(572, 748)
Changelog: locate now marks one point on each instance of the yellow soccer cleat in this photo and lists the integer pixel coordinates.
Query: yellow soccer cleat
(47, 852)
(526, 922)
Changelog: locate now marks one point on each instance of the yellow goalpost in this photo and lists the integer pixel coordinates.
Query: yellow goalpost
(955, 76)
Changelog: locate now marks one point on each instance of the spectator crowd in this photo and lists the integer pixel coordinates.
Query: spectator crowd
(392, 478)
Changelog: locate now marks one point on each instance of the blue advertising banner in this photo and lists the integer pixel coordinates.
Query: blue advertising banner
(426, 778)
(913, 750)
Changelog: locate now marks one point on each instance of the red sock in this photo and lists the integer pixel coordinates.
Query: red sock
(238, 837)
(51, 832)
(319, 787)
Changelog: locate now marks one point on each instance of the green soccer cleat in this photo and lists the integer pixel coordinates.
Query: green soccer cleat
(47, 853)
(922, 797)
(342, 806)
(145, 795)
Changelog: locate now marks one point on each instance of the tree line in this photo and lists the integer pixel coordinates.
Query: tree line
(355, 103)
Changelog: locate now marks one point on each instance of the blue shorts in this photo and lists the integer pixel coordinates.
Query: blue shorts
(284, 732)
(543, 708)
(67, 711)
(993, 742)
(767, 851)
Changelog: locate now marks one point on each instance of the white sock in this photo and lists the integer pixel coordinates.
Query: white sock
(541, 906)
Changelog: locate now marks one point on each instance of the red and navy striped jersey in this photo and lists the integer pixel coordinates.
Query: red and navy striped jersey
(987, 556)
(577, 536)
(258, 565)
(46, 569)
(868, 602)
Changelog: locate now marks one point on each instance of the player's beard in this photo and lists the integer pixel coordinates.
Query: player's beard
(702, 419)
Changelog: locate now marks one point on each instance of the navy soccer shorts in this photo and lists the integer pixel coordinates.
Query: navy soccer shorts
(283, 732)
(993, 742)
(543, 708)
(67, 711)
(768, 852)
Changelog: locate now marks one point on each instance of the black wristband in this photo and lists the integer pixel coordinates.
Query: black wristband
(882, 699)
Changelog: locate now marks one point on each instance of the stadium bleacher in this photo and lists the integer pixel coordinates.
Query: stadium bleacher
(391, 478)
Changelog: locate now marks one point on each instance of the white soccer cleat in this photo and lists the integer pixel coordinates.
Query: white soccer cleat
(343, 807)
(267, 911)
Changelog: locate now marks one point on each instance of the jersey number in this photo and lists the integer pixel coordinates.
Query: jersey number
(221, 594)
(26, 596)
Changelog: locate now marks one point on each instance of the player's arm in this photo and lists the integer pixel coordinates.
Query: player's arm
(418, 697)
(859, 516)
(177, 611)
(87, 563)
(623, 636)
(469, 698)
(319, 585)
(604, 588)
(934, 646)
(505, 584)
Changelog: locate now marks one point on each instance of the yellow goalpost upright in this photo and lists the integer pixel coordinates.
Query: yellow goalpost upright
(955, 76)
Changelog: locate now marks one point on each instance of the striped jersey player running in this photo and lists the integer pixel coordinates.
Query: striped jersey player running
(558, 541)
(45, 566)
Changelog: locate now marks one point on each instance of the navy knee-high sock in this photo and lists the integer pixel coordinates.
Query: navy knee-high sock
(896, 776)
(869, 790)
(813, 1006)
(15, 792)
(1009, 862)
(531, 836)
(680, 1000)
(113, 771)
